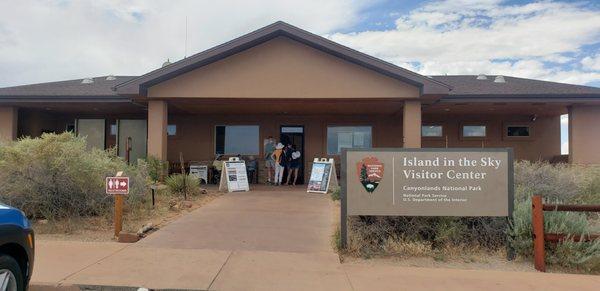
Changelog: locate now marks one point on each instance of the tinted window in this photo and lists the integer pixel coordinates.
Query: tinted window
(339, 137)
(517, 130)
(171, 129)
(474, 131)
(431, 130)
(237, 139)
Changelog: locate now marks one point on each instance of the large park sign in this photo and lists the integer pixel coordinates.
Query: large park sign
(426, 182)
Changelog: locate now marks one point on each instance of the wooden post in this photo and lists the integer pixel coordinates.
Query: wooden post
(118, 214)
(537, 221)
(128, 150)
(181, 161)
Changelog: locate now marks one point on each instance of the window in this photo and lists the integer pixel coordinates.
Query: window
(518, 131)
(339, 137)
(431, 131)
(237, 139)
(171, 130)
(113, 129)
(474, 131)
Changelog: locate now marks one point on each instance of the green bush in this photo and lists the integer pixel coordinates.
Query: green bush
(335, 194)
(156, 168)
(183, 184)
(56, 176)
(372, 235)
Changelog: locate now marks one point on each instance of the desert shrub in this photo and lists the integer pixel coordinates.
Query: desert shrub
(56, 176)
(156, 168)
(371, 235)
(560, 181)
(386, 235)
(335, 194)
(179, 184)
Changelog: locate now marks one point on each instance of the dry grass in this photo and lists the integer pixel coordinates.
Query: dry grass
(100, 228)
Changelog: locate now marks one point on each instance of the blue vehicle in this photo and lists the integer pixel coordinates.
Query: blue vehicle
(16, 249)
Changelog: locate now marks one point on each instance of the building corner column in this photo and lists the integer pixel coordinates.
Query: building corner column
(584, 137)
(411, 124)
(9, 117)
(157, 129)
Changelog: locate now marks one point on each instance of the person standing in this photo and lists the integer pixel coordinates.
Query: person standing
(279, 159)
(269, 162)
(294, 165)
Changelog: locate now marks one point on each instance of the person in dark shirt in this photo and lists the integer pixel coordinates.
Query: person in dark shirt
(293, 164)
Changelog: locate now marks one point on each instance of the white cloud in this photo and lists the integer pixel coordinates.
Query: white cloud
(471, 37)
(564, 148)
(564, 119)
(62, 39)
(591, 63)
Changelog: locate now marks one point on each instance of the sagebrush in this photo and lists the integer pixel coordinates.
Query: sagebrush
(56, 176)
(561, 183)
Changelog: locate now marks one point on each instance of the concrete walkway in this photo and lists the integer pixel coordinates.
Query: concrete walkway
(265, 220)
(261, 240)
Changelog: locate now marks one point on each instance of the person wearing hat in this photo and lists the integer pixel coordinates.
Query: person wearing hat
(294, 165)
(279, 159)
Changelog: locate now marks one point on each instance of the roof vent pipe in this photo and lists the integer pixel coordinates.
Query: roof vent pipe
(110, 78)
(87, 81)
(481, 77)
(499, 79)
(168, 62)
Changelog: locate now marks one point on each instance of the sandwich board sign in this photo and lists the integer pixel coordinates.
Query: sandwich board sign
(200, 171)
(117, 185)
(322, 175)
(234, 176)
(426, 182)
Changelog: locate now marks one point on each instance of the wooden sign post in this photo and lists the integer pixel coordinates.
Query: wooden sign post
(118, 186)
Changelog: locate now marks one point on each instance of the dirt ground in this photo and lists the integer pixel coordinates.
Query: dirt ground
(101, 229)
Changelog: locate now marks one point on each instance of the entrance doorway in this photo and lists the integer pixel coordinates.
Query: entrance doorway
(294, 134)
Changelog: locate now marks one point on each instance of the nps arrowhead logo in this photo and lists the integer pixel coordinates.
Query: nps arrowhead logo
(370, 173)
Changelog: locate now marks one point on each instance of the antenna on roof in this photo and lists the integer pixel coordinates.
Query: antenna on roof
(186, 33)
(168, 62)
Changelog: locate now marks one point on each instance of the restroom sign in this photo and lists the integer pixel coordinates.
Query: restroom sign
(117, 185)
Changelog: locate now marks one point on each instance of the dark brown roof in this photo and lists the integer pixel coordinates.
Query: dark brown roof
(138, 86)
(467, 86)
(71, 88)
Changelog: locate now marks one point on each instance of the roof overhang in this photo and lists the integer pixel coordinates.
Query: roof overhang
(139, 86)
(559, 98)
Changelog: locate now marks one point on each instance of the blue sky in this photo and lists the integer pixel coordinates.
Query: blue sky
(50, 40)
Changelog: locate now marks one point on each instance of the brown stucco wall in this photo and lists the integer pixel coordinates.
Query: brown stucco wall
(196, 134)
(283, 68)
(195, 137)
(584, 134)
(543, 145)
(8, 123)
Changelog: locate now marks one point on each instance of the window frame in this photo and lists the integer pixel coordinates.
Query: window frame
(441, 137)
(243, 154)
(506, 125)
(482, 123)
(326, 140)
(177, 130)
